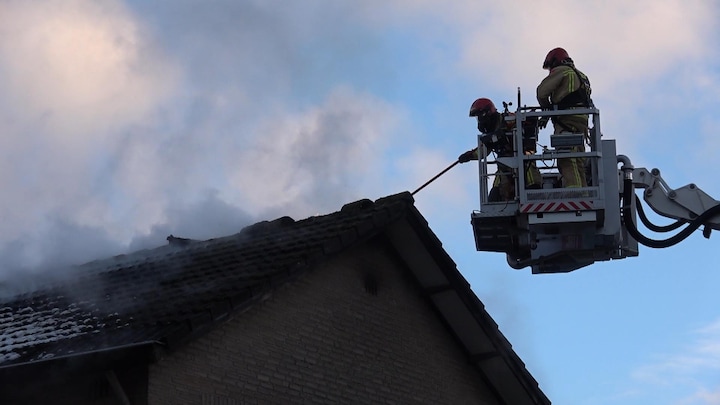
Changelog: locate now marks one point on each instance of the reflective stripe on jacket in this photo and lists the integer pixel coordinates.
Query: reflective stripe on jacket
(561, 81)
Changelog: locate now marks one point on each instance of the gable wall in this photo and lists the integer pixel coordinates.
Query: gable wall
(72, 387)
(325, 338)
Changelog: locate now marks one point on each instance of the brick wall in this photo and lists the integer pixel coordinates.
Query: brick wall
(355, 330)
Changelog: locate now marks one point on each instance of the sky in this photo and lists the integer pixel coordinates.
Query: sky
(122, 122)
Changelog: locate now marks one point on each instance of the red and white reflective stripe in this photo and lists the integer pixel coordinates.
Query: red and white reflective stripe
(556, 206)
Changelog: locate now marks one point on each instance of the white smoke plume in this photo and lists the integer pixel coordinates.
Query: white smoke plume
(120, 129)
(123, 121)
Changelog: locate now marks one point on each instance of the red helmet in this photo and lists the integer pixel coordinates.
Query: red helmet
(555, 57)
(481, 107)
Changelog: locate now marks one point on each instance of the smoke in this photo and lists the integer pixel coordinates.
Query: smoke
(122, 125)
(689, 372)
(124, 121)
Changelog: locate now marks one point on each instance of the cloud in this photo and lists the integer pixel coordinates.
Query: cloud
(643, 59)
(702, 397)
(614, 41)
(688, 373)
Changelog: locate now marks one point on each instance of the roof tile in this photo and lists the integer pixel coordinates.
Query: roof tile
(169, 293)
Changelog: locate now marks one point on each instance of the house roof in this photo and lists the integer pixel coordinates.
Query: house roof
(166, 296)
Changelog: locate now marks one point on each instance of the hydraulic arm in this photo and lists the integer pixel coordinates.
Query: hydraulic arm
(689, 205)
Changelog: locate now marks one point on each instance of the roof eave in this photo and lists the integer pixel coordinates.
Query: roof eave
(78, 363)
(462, 311)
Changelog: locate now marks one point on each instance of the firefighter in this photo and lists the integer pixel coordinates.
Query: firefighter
(498, 137)
(567, 88)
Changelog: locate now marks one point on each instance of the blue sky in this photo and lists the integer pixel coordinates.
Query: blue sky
(125, 121)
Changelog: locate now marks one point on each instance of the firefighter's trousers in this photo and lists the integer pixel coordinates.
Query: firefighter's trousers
(572, 170)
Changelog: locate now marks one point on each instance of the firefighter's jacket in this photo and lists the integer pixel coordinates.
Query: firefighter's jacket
(561, 81)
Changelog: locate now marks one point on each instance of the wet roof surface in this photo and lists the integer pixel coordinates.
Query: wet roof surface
(156, 294)
(170, 294)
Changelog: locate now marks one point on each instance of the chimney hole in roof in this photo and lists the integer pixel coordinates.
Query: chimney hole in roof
(371, 284)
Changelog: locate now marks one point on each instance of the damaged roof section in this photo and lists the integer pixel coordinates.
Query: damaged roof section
(169, 295)
(164, 293)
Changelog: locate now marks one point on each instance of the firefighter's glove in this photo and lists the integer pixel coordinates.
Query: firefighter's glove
(467, 156)
(542, 122)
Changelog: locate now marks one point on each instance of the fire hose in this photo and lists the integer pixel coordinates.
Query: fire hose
(436, 176)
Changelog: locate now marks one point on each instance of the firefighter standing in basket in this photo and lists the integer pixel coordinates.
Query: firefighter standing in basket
(567, 88)
(498, 136)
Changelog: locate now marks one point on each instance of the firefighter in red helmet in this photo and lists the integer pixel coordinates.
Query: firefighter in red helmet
(488, 117)
(498, 137)
(566, 88)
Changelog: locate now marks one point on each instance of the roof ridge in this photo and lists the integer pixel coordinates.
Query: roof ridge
(264, 227)
(178, 244)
